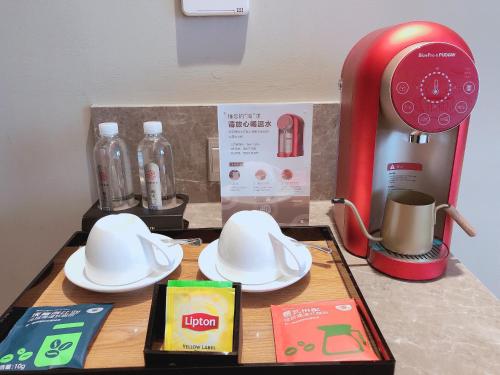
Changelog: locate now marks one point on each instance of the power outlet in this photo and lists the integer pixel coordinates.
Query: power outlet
(213, 159)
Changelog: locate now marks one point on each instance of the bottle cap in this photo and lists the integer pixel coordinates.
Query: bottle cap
(152, 127)
(108, 129)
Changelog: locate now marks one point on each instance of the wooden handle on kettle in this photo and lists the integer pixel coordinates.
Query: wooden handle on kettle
(460, 220)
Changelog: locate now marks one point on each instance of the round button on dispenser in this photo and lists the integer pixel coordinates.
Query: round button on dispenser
(461, 106)
(402, 88)
(443, 86)
(469, 87)
(408, 107)
(444, 119)
(424, 119)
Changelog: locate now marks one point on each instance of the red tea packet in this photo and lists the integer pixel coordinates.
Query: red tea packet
(321, 331)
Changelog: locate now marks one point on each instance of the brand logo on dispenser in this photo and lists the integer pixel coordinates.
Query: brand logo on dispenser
(435, 55)
(200, 322)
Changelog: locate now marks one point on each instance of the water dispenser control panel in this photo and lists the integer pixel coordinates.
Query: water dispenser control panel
(434, 87)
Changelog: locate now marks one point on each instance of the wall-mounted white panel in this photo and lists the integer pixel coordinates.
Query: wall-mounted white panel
(215, 7)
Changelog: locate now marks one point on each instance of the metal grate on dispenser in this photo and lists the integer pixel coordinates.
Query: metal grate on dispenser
(439, 251)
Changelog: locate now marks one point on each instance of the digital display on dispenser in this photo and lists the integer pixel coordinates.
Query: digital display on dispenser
(434, 87)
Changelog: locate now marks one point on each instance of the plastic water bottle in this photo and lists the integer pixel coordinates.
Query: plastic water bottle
(112, 167)
(156, 168)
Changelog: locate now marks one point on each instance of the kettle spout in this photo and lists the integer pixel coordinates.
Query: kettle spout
(351, 205)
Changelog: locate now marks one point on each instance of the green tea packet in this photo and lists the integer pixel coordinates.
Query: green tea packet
(49, 337)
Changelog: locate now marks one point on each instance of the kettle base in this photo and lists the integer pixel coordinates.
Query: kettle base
(428, 266)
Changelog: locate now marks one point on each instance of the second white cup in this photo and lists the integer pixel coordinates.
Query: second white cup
(253, 250)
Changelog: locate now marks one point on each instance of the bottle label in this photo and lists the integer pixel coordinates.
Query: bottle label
(153, 186)
(103, 182)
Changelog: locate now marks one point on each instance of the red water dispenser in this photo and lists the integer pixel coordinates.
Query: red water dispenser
(407, 93)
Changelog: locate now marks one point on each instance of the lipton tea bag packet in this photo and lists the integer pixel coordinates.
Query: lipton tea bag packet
(199, 319)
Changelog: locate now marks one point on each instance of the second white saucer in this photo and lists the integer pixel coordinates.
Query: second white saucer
(208, 257)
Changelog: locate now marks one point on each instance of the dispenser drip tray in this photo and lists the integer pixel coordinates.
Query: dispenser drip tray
(439, 250)
(426, 266)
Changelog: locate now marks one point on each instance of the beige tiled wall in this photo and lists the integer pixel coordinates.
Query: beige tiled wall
(187, 129)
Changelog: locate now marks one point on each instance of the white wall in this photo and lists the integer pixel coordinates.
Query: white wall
(60, 56)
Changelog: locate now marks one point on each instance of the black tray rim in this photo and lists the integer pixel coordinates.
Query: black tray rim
(90, 217)
(379, 367)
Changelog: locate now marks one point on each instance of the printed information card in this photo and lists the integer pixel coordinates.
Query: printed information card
(265, 159)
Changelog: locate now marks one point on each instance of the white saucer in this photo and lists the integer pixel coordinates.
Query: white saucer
(208, 257)
(74, 271)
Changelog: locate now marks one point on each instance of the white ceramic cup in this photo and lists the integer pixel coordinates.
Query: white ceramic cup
(120, 251)
(252, 250)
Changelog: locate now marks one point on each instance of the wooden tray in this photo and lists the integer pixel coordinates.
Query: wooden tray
(120, 343)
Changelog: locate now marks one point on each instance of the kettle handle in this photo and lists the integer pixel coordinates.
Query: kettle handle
(460, 220)
(358, 218)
